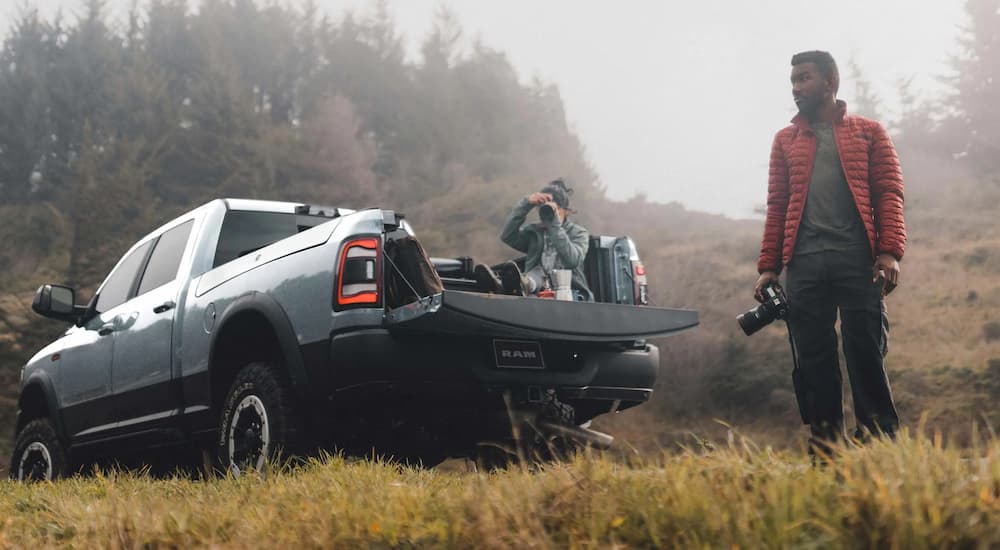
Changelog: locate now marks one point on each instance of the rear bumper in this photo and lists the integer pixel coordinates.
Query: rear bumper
(421, 362)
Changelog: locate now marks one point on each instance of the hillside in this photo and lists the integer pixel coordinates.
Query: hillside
(945, 343)
(944, 358)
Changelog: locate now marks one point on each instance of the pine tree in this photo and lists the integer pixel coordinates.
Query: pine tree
(25, 115)
(977, 85)
(866, 101)
(915, 126)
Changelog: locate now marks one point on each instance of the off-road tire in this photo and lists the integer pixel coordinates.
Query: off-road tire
(38, 454)
(258, 422)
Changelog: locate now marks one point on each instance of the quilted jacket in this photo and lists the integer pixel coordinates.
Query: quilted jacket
(871, 168)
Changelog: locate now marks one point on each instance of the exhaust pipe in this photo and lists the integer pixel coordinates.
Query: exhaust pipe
(594, 438)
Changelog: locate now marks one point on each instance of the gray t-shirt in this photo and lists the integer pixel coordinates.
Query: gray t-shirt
(830, 220)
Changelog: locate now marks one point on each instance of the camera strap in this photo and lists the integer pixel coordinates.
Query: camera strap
(791, 342)
(800, 394)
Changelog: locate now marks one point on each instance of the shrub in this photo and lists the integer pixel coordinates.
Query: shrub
(991, 378)
(991, 331)
(745, 380)
(977, 257)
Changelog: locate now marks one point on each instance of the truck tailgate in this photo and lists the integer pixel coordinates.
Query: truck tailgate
(473, 314)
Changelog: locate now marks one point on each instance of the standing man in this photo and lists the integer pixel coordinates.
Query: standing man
(835, 221)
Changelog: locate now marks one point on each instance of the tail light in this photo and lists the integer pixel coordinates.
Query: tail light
(358, 277)
(639, 280)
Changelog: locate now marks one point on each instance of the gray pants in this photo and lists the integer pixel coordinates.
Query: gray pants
(819, 285)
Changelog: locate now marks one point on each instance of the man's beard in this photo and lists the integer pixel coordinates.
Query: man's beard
(808, 106)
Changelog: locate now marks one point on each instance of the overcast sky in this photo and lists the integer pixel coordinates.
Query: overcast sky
(680, 100)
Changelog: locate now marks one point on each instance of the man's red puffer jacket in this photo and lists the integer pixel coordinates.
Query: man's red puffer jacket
(873, 174)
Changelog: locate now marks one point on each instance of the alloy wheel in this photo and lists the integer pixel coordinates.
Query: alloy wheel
(249, 436)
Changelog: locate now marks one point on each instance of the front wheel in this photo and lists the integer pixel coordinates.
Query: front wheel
(38, 454)
(258, 421)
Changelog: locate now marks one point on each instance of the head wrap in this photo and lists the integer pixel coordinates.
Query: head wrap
(560, 193)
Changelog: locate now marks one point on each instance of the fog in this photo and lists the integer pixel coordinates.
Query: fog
(679, 101)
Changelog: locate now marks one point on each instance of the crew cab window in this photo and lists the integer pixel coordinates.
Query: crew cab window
(119, 284)
(166, 258)
(244, 232)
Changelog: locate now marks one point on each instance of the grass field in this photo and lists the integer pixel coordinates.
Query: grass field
(916, 493)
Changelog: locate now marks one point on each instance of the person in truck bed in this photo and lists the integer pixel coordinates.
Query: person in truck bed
(552, 243)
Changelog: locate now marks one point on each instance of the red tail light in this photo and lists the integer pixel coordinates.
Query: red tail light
(641, 288)
(358, 275)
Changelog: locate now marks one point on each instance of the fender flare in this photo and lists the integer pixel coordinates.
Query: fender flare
(266, 306)
(41, 380)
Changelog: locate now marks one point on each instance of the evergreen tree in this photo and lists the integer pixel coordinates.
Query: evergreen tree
(915, 126)
(25, 119)
(977, 84)
(107, 132)
(866, 101)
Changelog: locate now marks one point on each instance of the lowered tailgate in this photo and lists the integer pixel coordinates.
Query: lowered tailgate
(473, 314)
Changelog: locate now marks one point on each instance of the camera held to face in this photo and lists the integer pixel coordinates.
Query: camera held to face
(774, 306)
(547, 213)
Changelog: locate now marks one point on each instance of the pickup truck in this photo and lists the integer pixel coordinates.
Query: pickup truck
(247, 328)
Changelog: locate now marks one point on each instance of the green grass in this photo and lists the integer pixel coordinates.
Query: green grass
(916, 493)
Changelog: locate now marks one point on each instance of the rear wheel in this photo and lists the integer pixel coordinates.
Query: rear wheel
(38, 454)
(258, 422)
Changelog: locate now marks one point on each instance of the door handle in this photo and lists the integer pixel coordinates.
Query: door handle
(165, 306)
(106, 329)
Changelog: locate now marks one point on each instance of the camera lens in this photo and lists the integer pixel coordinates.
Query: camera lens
(547, 213)
(755, 319)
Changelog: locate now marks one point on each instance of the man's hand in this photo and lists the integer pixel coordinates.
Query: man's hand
(536, 199)
(887, 267)
(765, 279)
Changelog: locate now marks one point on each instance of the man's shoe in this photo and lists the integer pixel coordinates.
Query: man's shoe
(512, 280)
(864, 435)
(823, 452)
(486, 279)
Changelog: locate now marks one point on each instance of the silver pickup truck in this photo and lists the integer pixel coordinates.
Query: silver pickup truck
(247, 328)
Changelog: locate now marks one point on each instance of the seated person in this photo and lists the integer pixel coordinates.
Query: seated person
(552, 243)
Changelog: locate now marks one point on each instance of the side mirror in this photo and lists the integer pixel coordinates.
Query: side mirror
(56, 302)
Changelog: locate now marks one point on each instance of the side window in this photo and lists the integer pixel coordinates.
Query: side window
(244, 232)
(166, 258)
(119, 284)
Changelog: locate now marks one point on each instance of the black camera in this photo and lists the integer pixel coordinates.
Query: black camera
(774, 306)
(547, 213)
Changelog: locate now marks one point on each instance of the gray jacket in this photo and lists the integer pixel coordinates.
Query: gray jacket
(570, 240)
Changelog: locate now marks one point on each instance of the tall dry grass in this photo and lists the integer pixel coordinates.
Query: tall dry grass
(916, 493)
